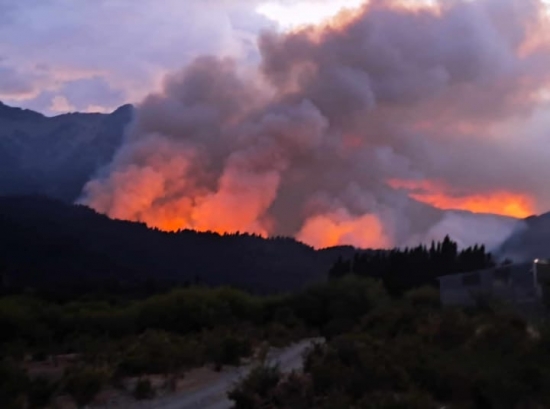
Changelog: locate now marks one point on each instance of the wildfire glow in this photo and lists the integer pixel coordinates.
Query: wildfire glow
(220, 151)
(437, 195)
(340, 228)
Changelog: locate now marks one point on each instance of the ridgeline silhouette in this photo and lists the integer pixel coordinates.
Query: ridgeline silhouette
(402, 270)
(46, 244)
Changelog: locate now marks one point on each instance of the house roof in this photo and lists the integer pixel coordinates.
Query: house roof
(513, 268)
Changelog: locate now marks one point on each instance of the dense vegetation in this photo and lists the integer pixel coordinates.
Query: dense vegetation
(380, 352)
(96, 342)
(413, 354)
(404, 269)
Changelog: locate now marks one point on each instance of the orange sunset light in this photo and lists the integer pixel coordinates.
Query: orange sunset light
(498, 202)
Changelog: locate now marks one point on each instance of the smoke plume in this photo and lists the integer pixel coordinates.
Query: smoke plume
(360, 131)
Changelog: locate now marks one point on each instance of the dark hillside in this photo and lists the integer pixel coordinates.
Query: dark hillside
(46, 243)
(530, 242)
(56, 156)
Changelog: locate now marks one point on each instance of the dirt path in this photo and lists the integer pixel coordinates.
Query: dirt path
(212, 395)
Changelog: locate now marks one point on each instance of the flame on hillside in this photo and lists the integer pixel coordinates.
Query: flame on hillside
(442, 197)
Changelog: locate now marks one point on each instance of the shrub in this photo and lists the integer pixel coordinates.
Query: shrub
(158, 352)
(294, 391)
(279, 335)
(391, 400)
(13, 385)
(339, 304)
(255, 389)
(40, 392)
(425, 297)
(227, 349)
(84, 383)
(144, 389)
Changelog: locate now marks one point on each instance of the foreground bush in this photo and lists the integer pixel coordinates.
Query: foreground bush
(13, 386)
(411, 353)
(159, 352)
(83, 383)
(144, 389)
(255, 390)
(40, 392)
(228, 349)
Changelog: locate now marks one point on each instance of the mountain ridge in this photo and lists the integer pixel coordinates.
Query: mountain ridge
(47, 243)
(57, 155)
(530, 241)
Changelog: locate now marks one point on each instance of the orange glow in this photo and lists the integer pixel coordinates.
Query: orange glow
(340, 228)
(438, 195)
(166, 196)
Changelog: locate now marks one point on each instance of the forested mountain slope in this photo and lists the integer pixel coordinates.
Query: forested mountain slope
(46, 243)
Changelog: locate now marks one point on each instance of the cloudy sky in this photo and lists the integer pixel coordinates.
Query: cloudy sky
(94, 55)
(439, 102)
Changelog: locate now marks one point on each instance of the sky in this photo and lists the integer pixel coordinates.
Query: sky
(58, 56)
(63, 55)
(336, 133)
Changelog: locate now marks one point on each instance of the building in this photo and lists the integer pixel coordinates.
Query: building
(520, 284)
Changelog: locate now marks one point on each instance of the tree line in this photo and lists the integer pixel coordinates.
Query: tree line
(404, 269)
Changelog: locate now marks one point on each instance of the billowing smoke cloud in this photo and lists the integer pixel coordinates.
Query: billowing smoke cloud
(349, 133)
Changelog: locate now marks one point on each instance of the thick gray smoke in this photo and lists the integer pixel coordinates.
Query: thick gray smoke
(349, 133)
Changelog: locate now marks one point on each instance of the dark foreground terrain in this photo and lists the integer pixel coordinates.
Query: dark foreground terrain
(375, 351)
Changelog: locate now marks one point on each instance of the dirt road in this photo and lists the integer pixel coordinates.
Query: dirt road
(213, 395)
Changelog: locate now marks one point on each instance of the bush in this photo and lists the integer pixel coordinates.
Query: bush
(41, 391)
(227, 349)
(158, 352)
(339, 304)
(390, 400)
(279, 335)
(255, 389)
(197, 309)
(84, 383)
(424, 297)
(144, 389)
(13, 386)
(294, 391)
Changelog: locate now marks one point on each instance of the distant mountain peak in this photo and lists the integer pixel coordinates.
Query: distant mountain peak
(18, 114)
(123, 110)
(58, 155)
(125, 107)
